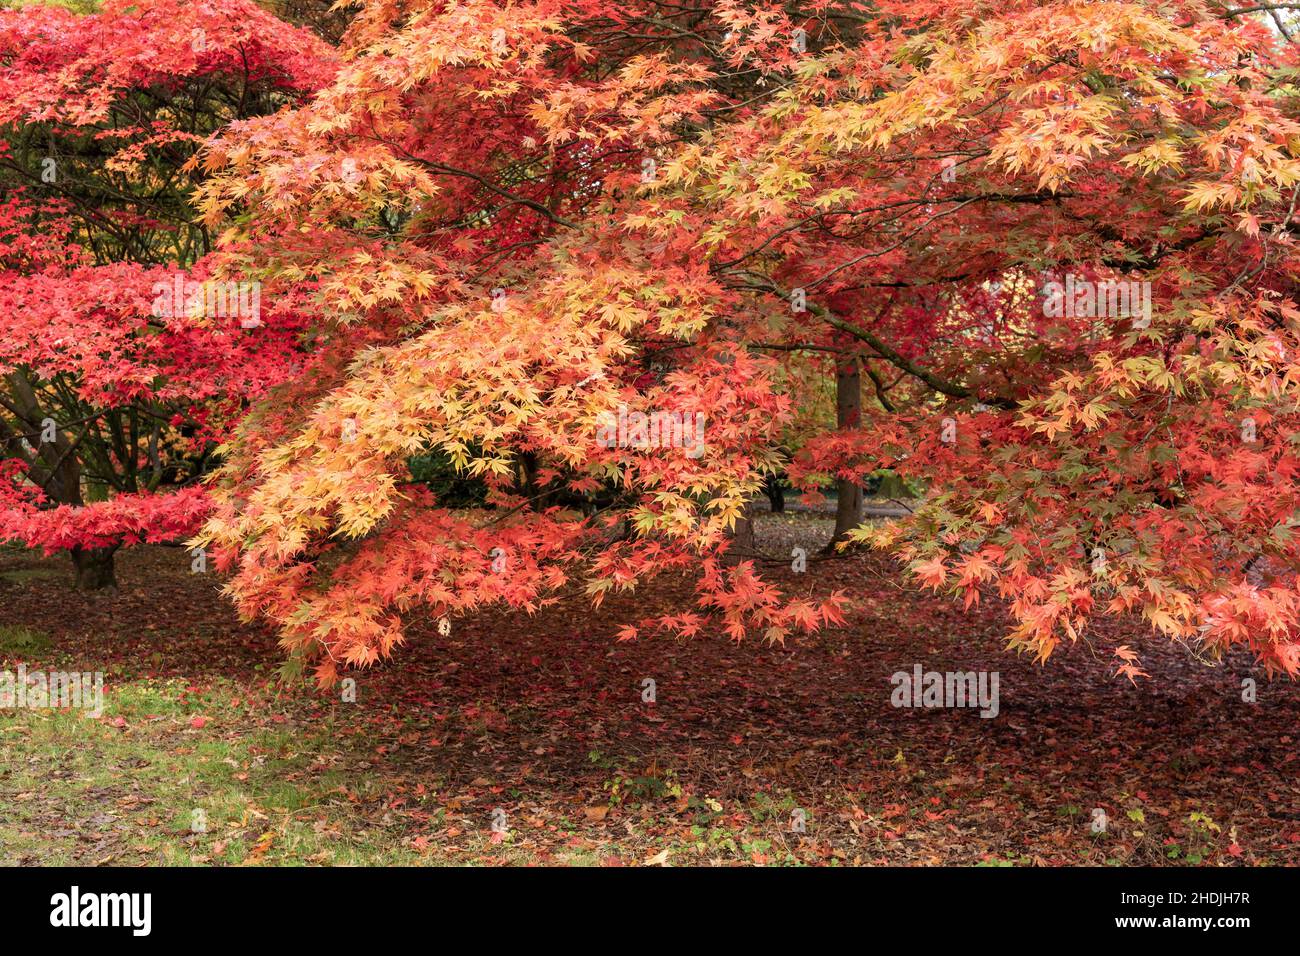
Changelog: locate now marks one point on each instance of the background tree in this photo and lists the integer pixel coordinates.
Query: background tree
(111, 404)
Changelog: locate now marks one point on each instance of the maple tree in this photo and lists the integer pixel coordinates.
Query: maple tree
(521, 217)
(125, 360)
(1050, 241)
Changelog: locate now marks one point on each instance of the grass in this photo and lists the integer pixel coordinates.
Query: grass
(20, 641)
(26, 575)
(149, 784)
(134, 787)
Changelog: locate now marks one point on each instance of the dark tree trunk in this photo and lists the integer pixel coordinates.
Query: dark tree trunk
(94, 568)
(56, 468)
(772, 488)
(537, 499)
(848, 413)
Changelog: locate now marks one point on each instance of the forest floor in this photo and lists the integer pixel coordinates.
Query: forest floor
(749, 753)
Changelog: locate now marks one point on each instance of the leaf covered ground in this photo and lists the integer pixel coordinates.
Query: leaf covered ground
(539, 724)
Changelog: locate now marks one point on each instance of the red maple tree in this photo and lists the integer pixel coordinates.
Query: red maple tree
(125, 359)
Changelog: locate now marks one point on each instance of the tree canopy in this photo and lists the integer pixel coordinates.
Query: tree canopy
(597, 263)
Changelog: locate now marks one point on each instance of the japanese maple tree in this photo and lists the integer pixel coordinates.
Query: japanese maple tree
(120, 379)
(521, 219)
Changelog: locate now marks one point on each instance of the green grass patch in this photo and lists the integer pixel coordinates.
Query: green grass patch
(143, 785)
(24, 575)
(23, 640)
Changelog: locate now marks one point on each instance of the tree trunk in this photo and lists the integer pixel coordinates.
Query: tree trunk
(848, 414)
(772, 488)
(742, 537)
(94, 568)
